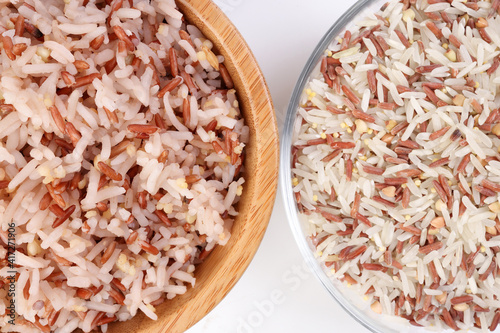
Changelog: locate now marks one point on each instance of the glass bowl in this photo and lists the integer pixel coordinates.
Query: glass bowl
(348, 299)
(217, 275)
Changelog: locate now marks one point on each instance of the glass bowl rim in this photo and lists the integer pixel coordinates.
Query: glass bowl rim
(285, 167)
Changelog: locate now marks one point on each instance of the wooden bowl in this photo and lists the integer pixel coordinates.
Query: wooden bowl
(225, 265)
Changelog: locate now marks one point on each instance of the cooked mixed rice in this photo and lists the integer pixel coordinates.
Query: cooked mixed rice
(121, 151)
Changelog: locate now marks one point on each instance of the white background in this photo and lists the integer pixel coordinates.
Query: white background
(278, 293)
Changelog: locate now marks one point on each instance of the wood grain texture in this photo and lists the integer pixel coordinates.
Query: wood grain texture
(225, 265)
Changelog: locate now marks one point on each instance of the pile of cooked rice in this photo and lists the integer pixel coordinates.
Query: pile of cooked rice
(121, 146)
(396, 164)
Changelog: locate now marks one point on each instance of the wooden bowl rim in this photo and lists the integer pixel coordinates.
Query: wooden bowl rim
(180, 313)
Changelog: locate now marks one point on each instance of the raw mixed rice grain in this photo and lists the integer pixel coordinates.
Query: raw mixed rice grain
(396, 164)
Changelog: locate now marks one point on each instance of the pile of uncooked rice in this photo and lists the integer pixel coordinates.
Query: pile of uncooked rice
(121, 149)
(396, 164)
